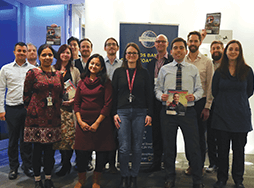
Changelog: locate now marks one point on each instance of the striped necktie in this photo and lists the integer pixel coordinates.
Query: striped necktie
(179, 77)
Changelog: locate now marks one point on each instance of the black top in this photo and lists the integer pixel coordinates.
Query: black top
(231, 105)
(142, 90)
(78, 64)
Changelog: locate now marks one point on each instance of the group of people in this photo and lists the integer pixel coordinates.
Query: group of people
(114, 100)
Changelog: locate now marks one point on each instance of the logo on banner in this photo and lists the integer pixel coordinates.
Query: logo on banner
(147, 39)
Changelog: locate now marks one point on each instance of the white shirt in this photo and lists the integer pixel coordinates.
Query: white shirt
(12, 77)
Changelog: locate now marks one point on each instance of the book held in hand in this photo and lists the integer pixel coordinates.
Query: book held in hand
(212, 24)
(69, 89)
(176, 103)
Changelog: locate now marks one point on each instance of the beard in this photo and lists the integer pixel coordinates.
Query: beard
(193, 50)
(216, 56)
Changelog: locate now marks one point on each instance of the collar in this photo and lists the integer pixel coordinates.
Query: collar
(198, 56)
(165, 56)
(183, 63)
(107, 60)
(16, 64)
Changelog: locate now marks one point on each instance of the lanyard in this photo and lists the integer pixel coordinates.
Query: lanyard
(130, 84)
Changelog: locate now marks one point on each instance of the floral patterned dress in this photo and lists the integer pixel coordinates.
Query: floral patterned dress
(43, 120)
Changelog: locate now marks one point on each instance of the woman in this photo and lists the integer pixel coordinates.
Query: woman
(231, 87)
(132, 110)
(92, 106)
(71, 78)
(43, 91)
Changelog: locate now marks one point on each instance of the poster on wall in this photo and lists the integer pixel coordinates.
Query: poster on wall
(53, 36)
(144, 36)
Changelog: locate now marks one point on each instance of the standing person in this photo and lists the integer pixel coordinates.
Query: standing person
(162, 58)
(232, 86)
(203, 105)
(32, 54)
(85, 48)
(112, 63)
(180, 75)
(43, 91)
(216, 49)
(73, 42)
(132, 110)
(70, 75)
(92, 106)
(12, 77)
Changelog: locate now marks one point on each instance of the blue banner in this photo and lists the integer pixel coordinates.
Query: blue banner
(144, 36)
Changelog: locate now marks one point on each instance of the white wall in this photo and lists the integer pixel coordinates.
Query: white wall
(103, 17)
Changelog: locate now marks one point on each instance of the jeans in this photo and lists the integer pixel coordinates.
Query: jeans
(130, 137)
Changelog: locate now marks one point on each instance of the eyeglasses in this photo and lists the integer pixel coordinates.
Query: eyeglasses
(161, 41)
(133, 53)
(111, 44)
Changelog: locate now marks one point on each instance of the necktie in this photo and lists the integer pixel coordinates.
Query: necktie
(179, 77)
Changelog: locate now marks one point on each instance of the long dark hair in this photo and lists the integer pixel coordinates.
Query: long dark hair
(58, 64)
(241, 69)
(125, 62)
(102, 74)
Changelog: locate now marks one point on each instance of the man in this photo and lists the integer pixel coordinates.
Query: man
(85, 48)
(112, 63)
(162, 58)
(216, 50)
(202, 106)
(73, 42)
(176, 105)
(12, 77)
(32, 54)
(180, 75)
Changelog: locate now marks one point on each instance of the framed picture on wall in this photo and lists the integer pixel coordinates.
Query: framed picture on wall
(53, 35)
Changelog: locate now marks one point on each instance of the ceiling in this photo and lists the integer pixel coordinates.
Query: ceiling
(34, 3)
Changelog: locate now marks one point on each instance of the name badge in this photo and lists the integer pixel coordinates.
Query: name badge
(49, 101)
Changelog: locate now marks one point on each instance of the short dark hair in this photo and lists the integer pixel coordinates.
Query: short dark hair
(217, 42)
(111, 38)
(72, 39)
(44, 46)
(102, 74)
(19, 44)
(178, 39)
(86, 39)
(195, 33)
(125, 62)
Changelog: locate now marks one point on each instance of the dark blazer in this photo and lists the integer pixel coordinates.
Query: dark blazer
(78, 64)
(151, 67)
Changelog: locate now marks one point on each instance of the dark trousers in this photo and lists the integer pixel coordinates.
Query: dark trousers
(156, 133)
(15, 118)
(212, 144)
(199, 106)
(83, 158)
(239, 141)
(48, 158)
(189, 127)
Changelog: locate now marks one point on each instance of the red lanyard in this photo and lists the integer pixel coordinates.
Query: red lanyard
(130, 84)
